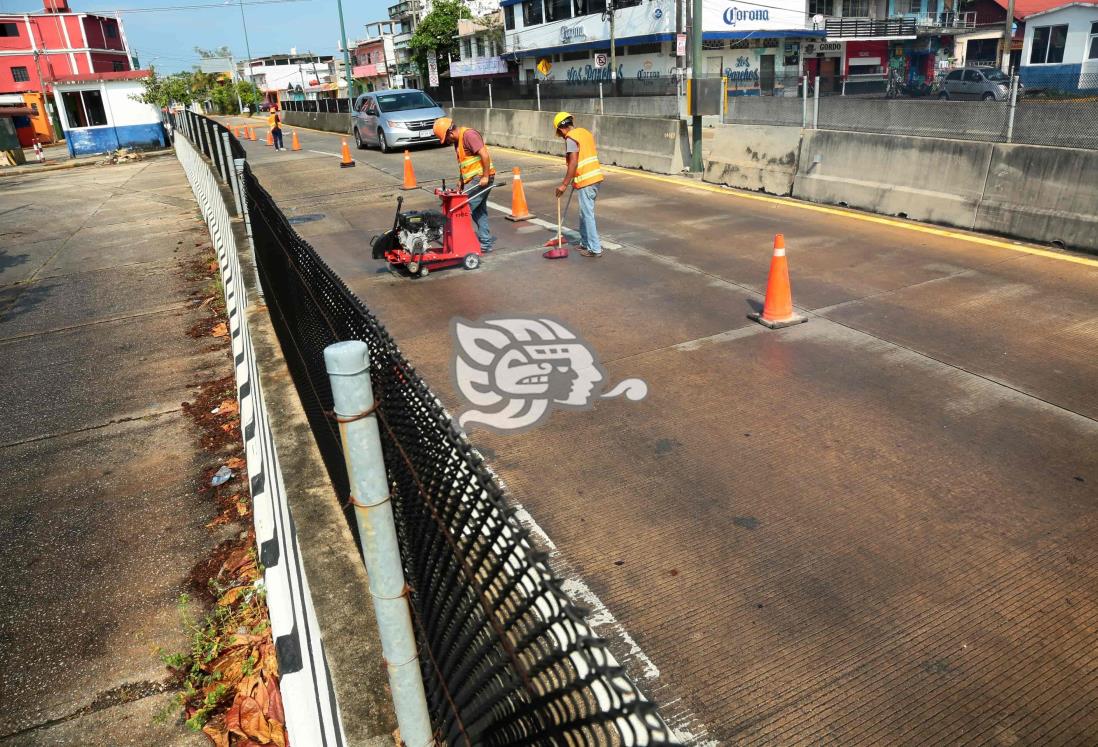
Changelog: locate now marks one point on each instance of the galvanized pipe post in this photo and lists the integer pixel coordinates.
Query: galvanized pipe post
(238, 168)
(804, 104)
(816, 106)
(230, 172)
(489, 95)
(348, 365)
(602, 106)
(1013, 108)
(537, 90)
(453, 102)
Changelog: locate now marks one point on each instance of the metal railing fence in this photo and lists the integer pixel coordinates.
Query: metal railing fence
(323, 106)
(507, 658)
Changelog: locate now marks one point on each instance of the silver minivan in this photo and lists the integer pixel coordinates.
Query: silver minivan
(976, 84)
(394, 119)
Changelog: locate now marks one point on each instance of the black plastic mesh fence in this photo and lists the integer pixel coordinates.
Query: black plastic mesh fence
(507, 658)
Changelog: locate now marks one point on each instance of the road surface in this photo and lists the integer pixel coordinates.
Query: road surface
(873, 528)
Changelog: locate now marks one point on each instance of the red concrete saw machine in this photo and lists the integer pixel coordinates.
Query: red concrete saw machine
(425, 240)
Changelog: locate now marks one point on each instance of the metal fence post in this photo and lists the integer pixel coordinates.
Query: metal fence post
(816, 106)
(348, 365)
(219, 160)
(230, 172)
(804, 104)
(537, 90)
(489, 95)
(1013, 108)
(844, 86)
(602, 106)
(453, 102)
(238, 168)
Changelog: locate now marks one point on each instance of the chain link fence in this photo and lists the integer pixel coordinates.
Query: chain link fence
(506, 657)
(326, 106)
(1049, 109)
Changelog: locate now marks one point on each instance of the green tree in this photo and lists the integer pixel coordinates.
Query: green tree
(167, 91)
(437, 34)
(212, 54)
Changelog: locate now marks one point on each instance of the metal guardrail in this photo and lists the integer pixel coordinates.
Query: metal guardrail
(852, 28)
(506, 657)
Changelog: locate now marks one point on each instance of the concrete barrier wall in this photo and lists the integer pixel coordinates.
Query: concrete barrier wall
(648, 143)
(1042, 194)
(633, 106)
(752, 157)
(940, 181)
(340, 123)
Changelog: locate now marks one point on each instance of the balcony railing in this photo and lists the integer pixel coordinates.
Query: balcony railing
(948, 20)
(852, 28)
(400, 9)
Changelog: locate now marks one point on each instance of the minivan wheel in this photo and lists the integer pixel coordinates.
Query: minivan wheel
(358, 141)
(382, 143)
(988, 96)
(943, 96)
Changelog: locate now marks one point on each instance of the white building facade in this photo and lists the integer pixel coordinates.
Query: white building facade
(1060, 49)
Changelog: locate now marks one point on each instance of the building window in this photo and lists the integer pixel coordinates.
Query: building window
(1092, 54)
(823, 7)
(656, 48)
(531, 13)
(558, 10)
(112, 31)
(117, 67)
(467, 49)
(479, 46)
(856, 8)
(509, 18)
(84, 108)
(9, 29)
(909, 7)
(1048, 45)
(19, 74)
(619, 4)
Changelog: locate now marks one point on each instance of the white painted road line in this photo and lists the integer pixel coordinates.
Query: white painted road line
(325, 153)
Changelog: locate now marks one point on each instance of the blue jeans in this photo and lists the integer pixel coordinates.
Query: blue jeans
(479, 207)
(277, 133)
(589, 232)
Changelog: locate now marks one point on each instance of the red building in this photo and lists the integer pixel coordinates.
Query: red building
(53, 44)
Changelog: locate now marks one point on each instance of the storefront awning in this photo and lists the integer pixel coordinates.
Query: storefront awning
(650, 38)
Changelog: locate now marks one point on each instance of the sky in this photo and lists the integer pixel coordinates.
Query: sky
(167, 38)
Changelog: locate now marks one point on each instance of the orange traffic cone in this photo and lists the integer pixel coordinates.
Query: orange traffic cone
(294, 143)
(778, 307)
(270, 137)
(251, 134)
(346, 163)
(519, 209)
(409, 172)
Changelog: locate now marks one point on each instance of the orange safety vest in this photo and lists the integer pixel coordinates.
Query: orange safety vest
(588, 168)
(469, 163)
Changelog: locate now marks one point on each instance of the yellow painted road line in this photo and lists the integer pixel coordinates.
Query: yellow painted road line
(853, 215)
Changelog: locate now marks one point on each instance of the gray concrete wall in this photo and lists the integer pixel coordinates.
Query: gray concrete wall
(1043, 194)
(752, 157)
(340, 123)
(648, 143)
(940, 181)
(633, 106)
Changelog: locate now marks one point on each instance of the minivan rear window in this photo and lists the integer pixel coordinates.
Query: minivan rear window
(404, 101)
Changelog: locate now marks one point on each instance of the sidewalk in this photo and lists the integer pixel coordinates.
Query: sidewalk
(103, 507)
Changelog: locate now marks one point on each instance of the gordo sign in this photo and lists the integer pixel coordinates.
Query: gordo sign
(729, 15)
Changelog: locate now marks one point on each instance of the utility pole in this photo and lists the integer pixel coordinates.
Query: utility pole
(346, 59)
(247, 48)
(695, 76)
(1008, 35)
(613, 44)
(45, 99)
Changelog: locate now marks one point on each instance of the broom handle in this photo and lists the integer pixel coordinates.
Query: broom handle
(558, 220)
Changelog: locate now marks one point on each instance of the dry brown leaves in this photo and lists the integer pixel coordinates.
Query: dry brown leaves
(220, 330)
(246, 667)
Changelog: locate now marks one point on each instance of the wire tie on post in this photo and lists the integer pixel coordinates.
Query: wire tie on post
(333, 415)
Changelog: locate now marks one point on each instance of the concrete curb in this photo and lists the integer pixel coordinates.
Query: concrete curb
(33, 168)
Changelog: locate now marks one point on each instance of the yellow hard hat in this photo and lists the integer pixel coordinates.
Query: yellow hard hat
(560, 119)
(442, 126)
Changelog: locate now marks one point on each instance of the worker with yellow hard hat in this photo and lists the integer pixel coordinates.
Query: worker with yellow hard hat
(274, 123)
(584, 175)
(474, 165)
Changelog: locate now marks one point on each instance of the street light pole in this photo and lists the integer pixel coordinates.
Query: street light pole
(1008, 36)
(247, 48)
(695, 75)
(613, 42)
(346, 58)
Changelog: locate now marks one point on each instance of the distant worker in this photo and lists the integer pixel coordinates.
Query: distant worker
(275, 125)
(474, 164)
(584, 174)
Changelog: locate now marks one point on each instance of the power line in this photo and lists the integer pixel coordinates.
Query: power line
(226, 4)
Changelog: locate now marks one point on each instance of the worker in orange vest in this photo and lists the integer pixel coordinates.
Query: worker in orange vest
(584, 175)
(475, 165)
(274, 122)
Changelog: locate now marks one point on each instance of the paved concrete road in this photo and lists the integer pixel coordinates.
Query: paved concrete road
(100, 513)
(873, 528)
